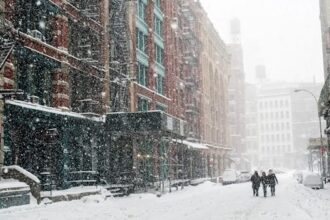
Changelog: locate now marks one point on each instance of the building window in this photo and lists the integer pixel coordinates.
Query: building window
(287, 114)
(143, 104)
(288, 137)
(157, 3)
(158, 26)
(159, 52)
(141, 7)
(141, 40)
(288, 125)
(160, 84)
(31, 19)
(34, 75)
(142, 74)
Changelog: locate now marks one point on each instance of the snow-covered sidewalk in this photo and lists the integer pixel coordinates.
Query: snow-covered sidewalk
(207, 201)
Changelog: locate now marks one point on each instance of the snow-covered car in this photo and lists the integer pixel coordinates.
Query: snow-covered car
(327, 179)
(313, 181)
(244, 176)
(229, 177)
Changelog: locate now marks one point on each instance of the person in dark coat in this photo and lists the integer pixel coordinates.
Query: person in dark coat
(272, 181)
(264, 182)
(255, 179)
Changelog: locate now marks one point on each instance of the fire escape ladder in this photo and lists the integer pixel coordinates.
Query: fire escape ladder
(6, 47)
(120, 54)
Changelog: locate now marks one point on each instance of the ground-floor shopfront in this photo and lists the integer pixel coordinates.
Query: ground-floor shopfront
(145, 148)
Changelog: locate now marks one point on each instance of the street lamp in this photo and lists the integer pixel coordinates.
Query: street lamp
(320, 126)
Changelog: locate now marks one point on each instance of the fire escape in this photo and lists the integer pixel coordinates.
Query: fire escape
(191, 62)
(6, 44)
(6, 47)
(119, 55)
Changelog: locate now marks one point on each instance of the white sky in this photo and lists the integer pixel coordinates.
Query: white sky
(283, 35)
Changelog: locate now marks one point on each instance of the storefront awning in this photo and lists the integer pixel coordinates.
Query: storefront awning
(151, 122)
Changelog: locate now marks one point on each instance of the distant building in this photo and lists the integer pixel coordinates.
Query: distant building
(236, 95)
(286, 121)
(274, 124)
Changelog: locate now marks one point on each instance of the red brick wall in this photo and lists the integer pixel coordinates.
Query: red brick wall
(172, 59)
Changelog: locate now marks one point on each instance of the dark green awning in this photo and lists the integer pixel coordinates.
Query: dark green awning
(152, 122)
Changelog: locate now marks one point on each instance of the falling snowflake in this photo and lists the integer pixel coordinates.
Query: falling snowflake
(42, 24)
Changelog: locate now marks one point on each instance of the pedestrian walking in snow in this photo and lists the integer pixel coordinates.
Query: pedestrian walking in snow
(272, 181)
(264, 182)
(255, 179)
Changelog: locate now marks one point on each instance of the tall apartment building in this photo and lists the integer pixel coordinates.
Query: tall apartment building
(324, 104)
(215, 64)
(56, 70)
(236, 92)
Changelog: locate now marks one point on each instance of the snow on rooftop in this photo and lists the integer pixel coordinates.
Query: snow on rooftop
(22, 171)
(38, 107)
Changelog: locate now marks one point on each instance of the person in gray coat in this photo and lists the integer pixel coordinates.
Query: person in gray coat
(272, 181)
(255, 179)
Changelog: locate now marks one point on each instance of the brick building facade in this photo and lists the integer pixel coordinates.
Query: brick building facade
(176, 63)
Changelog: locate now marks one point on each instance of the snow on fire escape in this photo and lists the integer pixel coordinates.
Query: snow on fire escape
(191, 59)
(89, 8)
(119, 55)
(6, 47)
(6, 43)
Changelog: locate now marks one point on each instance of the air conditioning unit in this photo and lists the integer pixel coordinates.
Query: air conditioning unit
(37, 34)
(34, 99)
(88, 106)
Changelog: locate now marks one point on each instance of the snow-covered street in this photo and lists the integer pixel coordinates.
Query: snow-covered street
(207, 201)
